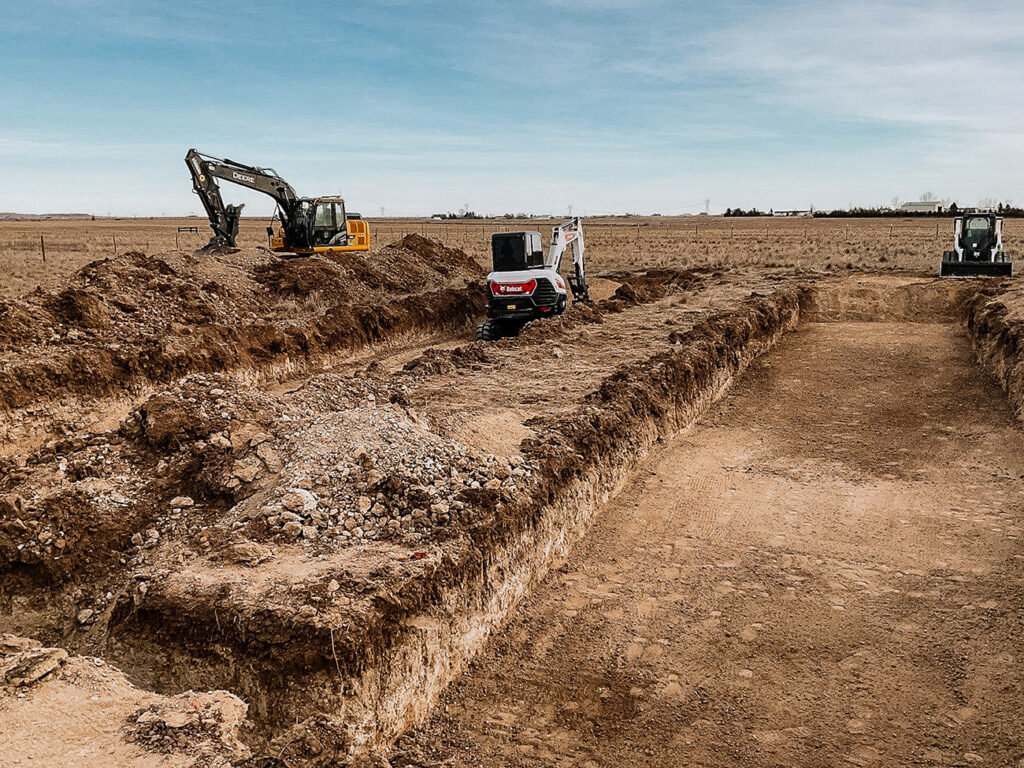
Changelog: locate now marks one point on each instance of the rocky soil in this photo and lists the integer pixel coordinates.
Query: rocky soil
(282, 537)
(123, 325)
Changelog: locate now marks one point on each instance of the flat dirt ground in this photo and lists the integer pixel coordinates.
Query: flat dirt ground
(614, 243)
(825, 571)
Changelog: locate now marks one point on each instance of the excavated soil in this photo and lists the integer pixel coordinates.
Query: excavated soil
(332, 543)
(125, 324)
(827, 570)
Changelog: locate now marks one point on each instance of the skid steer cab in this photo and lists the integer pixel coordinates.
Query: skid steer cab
(525, 285)
(977, 248)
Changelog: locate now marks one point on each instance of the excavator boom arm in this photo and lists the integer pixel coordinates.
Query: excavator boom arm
(569, 235)
(224, 218)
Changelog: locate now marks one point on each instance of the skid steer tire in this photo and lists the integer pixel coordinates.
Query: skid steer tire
(488, 331)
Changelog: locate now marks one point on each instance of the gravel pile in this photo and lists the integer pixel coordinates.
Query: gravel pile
(375, 471)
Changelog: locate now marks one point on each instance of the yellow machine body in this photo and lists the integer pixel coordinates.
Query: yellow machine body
(358, 240)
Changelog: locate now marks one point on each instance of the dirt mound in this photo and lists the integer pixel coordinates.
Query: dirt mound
(140, 319)
(103, 719)
(447, 261)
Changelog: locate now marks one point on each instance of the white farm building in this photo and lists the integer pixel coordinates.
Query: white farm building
(928, 207)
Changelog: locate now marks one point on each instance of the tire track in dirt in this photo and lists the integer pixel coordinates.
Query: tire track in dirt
(827, 571)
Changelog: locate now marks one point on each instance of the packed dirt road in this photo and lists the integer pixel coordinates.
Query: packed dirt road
(826, 571)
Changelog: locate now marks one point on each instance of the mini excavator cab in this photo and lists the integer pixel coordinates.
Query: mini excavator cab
(513, 251)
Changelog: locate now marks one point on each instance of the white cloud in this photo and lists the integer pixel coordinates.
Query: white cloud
(930, 64)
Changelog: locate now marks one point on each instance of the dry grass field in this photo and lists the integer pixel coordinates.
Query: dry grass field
(614, 243)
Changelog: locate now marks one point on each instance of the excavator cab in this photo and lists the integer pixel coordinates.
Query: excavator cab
(512, 251)
(318, 225)
(329, 223)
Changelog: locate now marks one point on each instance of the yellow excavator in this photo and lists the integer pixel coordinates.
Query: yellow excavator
(306, 225)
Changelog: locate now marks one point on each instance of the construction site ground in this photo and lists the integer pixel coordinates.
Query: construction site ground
(826, 571)
(318, 527)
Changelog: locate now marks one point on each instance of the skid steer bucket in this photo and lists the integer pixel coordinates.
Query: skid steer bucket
(977, 269)
(953, 267)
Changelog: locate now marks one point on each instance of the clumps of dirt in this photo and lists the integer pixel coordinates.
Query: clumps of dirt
(995, 321)
(143, 319)
(317, 742)
(207, 723)
(377, 471)
(24, 662)
(92, 505)
(438, 361)
(69, 505)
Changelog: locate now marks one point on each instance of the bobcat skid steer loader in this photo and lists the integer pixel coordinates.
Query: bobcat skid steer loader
(977, 248)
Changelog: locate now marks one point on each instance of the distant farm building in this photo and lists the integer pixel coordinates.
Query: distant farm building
(793, 213)
(928, 207)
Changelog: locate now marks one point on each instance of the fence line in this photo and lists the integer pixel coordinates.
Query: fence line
(53, 246)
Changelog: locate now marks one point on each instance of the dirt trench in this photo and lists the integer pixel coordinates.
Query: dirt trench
(340, 642)
(350, 636)
(826, 570)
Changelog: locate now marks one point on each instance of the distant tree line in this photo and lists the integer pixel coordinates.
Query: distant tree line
(1003, 209)
(881, 213)
(751, 212)
(952, 209)
(459, 215)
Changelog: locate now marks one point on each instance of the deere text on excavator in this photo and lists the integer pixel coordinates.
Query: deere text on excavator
(307, 224)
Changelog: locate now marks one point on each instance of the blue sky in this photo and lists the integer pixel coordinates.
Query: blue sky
(605, 105)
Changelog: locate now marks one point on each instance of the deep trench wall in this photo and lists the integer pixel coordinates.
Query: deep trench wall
(996, 326)
(872, 298)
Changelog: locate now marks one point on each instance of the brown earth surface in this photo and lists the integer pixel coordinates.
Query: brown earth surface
(278, 527)
(827, 571)
(613, 242)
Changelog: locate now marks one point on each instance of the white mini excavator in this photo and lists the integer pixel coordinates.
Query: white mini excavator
(977, 248)
(525, 285)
